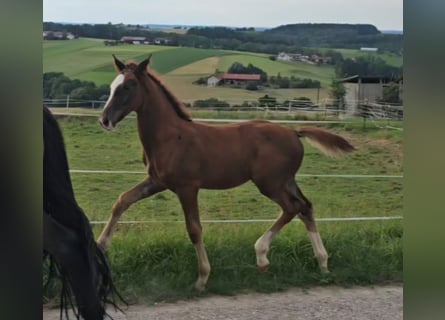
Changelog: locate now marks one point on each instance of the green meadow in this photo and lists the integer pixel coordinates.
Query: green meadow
(179, 67)
(155, 261)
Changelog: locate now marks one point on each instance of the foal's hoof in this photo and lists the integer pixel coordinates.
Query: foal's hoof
(200, 286)
(264, 268)
(325, 270)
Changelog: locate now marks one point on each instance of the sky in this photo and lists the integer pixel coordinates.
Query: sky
(384, 14)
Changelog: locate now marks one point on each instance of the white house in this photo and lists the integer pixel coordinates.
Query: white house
(369, 49)
(283, 56)
(212, 81)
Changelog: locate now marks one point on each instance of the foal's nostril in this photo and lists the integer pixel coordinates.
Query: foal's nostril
(104, 121)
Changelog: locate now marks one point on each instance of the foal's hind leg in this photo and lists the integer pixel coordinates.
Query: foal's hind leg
(292, 201)
(142, 190)
(307, 216)
(262, 245)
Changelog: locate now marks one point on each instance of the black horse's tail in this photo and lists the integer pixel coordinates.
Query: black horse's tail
(60, 204)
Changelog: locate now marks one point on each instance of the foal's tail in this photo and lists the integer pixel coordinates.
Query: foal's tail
(327, 142)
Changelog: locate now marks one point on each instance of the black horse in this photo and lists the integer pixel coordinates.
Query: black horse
(67, 236)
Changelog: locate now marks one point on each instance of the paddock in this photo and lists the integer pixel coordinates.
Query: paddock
(151, 252)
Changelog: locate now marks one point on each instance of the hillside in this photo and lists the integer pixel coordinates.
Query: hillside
(90, 60)
(321, 28)
(334, 35)
(179, 67)
(290, 38)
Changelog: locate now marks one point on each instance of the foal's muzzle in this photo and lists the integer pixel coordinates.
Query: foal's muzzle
(106, 124)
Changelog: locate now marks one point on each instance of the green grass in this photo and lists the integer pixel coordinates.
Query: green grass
(324, 74)
(90, 59)
(156, 261)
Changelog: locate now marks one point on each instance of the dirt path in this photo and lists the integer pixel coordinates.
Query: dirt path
(333, 303)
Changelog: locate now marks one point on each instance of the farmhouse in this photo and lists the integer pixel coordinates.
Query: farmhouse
(145, 40)
(231, 79)
(369, 49)
(363, 90)
(134, 40)
(319, 59)
(212, 81)
(283, 56)
(312, 59)
(58, 35)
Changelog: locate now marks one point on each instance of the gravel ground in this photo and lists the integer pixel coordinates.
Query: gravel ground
(333, 303)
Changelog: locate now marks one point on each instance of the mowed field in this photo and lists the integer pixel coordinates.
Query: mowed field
(154, 260)
(179, 67)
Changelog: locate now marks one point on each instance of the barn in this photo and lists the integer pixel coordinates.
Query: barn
(368, 89)
(232, 79)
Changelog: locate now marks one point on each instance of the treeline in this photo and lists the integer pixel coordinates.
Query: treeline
(239, 68)
(262, 102)
(289, 38)
(295, 37)
(107, 31)
(368, 65)
(57, 85)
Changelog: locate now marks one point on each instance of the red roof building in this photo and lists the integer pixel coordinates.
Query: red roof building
(241, 77)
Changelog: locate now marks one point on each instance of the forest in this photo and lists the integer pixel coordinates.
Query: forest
(300, 38)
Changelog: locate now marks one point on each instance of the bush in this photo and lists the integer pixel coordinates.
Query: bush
(267, 101)
(57, 86)
(210, 103)
(252, 86)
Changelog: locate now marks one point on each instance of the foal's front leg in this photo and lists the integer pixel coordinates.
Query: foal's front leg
(189, 202)
(140, 191)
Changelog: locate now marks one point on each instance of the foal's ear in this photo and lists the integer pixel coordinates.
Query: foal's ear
(118, 64)
(142, 67)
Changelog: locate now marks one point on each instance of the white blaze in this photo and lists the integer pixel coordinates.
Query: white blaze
(114, 84)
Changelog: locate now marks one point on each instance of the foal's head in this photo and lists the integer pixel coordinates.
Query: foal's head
(126, 92)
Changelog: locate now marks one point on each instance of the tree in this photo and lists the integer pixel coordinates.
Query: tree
(239, 68)
(57, 86)
(266, 101)
(210, 103)
(391, 93)
(252, 86)
(366, 66)
(338, 92)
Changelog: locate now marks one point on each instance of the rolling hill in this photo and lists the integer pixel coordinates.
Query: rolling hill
(90, 60)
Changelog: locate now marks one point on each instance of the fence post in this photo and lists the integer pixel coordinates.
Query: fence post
(68, 101)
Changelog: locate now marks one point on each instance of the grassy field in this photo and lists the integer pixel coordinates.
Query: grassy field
(155, 261)
(90, 59)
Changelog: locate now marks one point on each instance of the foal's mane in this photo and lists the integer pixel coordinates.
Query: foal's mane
(177, 105)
